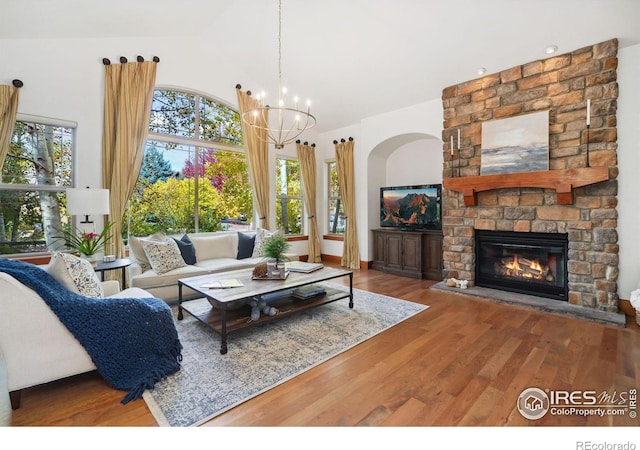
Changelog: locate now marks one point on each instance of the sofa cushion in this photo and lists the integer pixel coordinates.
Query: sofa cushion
(132, 293)
(187, 250)
(217, 246)
(150, 279)
(75, 274)
(225, 264)
(163, 256)
(246, 242)
(137, 251)
(261, 236)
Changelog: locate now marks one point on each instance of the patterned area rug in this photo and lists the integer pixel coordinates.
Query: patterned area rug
(266, 355)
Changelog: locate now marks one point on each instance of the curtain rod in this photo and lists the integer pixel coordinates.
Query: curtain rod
(238, 86)
(17, 83)
(123, 60)
(343, 141)
(306, 143)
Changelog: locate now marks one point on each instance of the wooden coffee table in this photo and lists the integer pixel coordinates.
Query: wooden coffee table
(226, 310)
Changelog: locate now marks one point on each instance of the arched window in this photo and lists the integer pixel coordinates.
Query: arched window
(194, 175)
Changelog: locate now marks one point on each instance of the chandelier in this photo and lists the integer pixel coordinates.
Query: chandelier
(282, 124)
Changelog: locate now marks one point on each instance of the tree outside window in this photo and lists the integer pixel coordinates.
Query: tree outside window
(194, 175)
(35, 175)
(289, 203)
(336, 209)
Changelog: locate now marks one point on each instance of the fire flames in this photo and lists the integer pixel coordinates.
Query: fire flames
(515, 269)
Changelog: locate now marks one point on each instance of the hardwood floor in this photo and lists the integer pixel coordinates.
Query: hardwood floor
(463, 361)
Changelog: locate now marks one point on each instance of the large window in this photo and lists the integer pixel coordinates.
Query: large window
(336, 209)
(194, 175)
(289, 205)
(36, 173)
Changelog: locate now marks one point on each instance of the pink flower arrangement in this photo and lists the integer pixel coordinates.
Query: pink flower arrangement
(88, 243)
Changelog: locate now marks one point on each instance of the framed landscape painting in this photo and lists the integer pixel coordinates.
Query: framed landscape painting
(516, 144)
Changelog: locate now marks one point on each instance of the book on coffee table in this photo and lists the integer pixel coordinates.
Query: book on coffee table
(222, 284)
(308, 291)
(305, 267)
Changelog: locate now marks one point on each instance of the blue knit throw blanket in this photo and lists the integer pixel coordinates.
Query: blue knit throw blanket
(133, 342)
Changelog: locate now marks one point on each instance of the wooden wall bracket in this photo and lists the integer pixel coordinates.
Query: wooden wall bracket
(564, 181)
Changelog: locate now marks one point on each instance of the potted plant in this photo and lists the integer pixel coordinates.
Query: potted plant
(88, 243)
(274, 248)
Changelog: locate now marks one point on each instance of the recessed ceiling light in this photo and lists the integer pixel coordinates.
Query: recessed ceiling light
(481, 71)
(551, 49)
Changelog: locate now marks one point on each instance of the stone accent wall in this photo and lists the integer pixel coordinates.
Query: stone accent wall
(560, 84)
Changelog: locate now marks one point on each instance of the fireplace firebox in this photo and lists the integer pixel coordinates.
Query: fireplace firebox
(528, 263)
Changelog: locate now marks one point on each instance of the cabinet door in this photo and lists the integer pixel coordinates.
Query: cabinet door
(394, 251)
(433, 256)
(411, 252)
(379, 259)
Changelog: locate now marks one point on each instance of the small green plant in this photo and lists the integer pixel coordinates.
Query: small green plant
(275, 246)
(88, 243)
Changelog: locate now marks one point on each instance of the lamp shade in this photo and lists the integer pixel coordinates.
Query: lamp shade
(87, 201)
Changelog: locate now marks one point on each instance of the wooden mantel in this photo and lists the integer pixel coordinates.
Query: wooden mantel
(563, 181)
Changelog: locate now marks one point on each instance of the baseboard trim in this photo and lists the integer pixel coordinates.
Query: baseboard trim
(364, 265)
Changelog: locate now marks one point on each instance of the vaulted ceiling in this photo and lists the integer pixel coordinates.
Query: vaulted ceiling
(353, 58)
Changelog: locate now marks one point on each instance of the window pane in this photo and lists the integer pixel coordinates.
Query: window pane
(289, 215)
(165, 195)
(174, 113)
(336, 217)
(288, 178)
(163, 199)
(31, 221)
(39, 155)
(219, 123)
(225, 196)
(334, 186)
(40, 158)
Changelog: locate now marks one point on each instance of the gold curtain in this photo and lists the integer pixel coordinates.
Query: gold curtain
(307, 159)
(257, 151)
(8, 110)
(127, 107)
(344, 159)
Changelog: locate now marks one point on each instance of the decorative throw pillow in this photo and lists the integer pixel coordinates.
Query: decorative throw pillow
(246, 242)
(163, 256)
(215, 245)
(138, 252)
(261, 236)
(187, 250)
(75, 274)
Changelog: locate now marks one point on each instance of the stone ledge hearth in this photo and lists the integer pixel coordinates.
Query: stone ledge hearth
(538, 303)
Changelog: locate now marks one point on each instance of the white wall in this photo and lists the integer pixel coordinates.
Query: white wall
(629, 167)
(418, 162)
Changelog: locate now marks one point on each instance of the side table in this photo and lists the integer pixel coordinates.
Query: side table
(102, 267)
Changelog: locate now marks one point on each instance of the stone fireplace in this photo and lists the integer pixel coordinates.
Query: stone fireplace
(578, 204)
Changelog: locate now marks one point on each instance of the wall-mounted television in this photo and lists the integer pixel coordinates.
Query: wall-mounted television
(411, 207)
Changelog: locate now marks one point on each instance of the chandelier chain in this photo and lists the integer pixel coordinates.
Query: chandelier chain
(279, 49)
(289, 122)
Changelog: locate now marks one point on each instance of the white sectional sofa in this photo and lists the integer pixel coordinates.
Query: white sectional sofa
(36, 347)
(214, 252)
